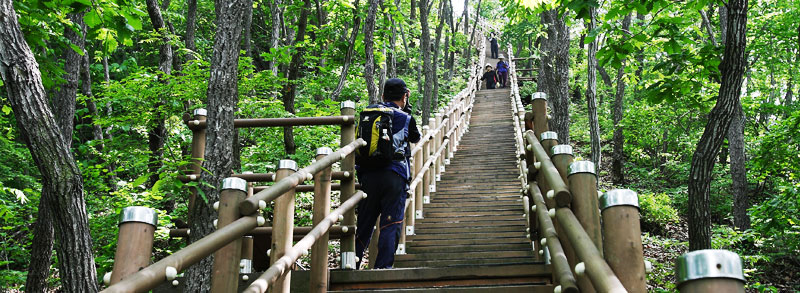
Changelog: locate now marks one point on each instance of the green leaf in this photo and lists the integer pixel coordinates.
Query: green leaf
(76, 49)
(92, 19)
(140, 180)
(133, 20)
(6, 108)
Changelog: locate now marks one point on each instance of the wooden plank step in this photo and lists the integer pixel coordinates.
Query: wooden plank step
(518, 235)
(474, 229)
(464, 262)
(465, 217)
(450, 242)
(456, 224)
(465, 255)
(414, 249)
(512, 288)
(435, 204)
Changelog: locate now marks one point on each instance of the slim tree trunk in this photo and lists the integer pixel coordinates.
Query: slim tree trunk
(369, 47)
(63, 103)
(51, 154)
(556, 69)
(427, 63)
(157, 133)
(591, 90)
(348, 57)
(719, 120)
(468, 48)
(290, 90)
(191, 26)
(436, 45)
(618, 154)
(248, 23)
(275, 38)
(222, 96)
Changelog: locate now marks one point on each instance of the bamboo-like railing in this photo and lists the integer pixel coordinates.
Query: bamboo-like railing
(577, 257)
(593, 239)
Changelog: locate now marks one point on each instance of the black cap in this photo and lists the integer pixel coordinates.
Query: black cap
(394, 86)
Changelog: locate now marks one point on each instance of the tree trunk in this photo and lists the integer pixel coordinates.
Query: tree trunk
(157, 134)
(556, 69)
(348, 57)
(639, 55)
(275, 38)
(63, 103)
(468, 48)
(719, 120)
(191, 26)
(435, 61)
(248, 23)
(591, 90)
(290, 91)
(618, 153)
(741, 202)
(222, 96)
(427, 64)
(51, 154)
(369, 52)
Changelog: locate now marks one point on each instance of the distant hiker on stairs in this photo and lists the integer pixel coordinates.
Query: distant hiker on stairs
(383, 170)
(502, 71)
(490, 76)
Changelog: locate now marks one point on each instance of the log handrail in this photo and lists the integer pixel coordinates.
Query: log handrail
(278, 122)
(301, 248)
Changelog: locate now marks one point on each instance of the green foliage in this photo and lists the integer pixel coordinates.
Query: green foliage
(657, 209)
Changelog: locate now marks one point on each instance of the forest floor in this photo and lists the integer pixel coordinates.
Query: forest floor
(663, 245)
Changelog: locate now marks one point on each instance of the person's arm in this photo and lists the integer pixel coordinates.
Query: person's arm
(413, 132)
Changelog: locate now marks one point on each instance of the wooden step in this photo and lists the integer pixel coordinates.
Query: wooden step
(464, 262)
(448, 242)
(413, 249)
(430, 236)
(511, 288)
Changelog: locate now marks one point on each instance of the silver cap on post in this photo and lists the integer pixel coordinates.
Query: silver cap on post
(539, 95)
(562, 149)
(324, 151)
(708, 263)
(234, 183)
(347, 104)
(619, 197)
(200, 112)
(549, 135)
(287, 164)
(582, 167)
(139, 214)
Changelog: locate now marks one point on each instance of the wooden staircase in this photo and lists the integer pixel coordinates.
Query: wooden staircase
(472, 237)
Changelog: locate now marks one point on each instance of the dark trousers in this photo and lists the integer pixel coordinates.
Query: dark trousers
(503, 78)
(386, 197)
(494, 51)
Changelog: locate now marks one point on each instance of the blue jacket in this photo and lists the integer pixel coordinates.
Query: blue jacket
(412, 135)
(502, 66)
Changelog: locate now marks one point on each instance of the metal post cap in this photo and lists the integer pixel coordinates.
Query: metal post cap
(581, 167)
(287, 164)
(549, 135)
(619, 197)
(347, 104)
(234, 183)
(139, 214)
(562, 149)
(200, 112)
(539, 95)
(324, 151)
(708, 263)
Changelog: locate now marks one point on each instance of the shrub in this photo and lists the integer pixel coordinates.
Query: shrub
(657, 212)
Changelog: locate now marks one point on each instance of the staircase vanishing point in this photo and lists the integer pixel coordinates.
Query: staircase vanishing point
(472, 237)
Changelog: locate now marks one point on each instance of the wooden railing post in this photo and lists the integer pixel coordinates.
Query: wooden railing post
(433, 146)
(709, 270)
(348, 188)
(549, 139)
(583, 185)
(283, 225)
(246, 264)
(419, 160)
(321, 209)
(137, 226)
(227, 259)
(622, 238)
(426, 176)
(539, 102)
(562, 157)
(198, 150)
